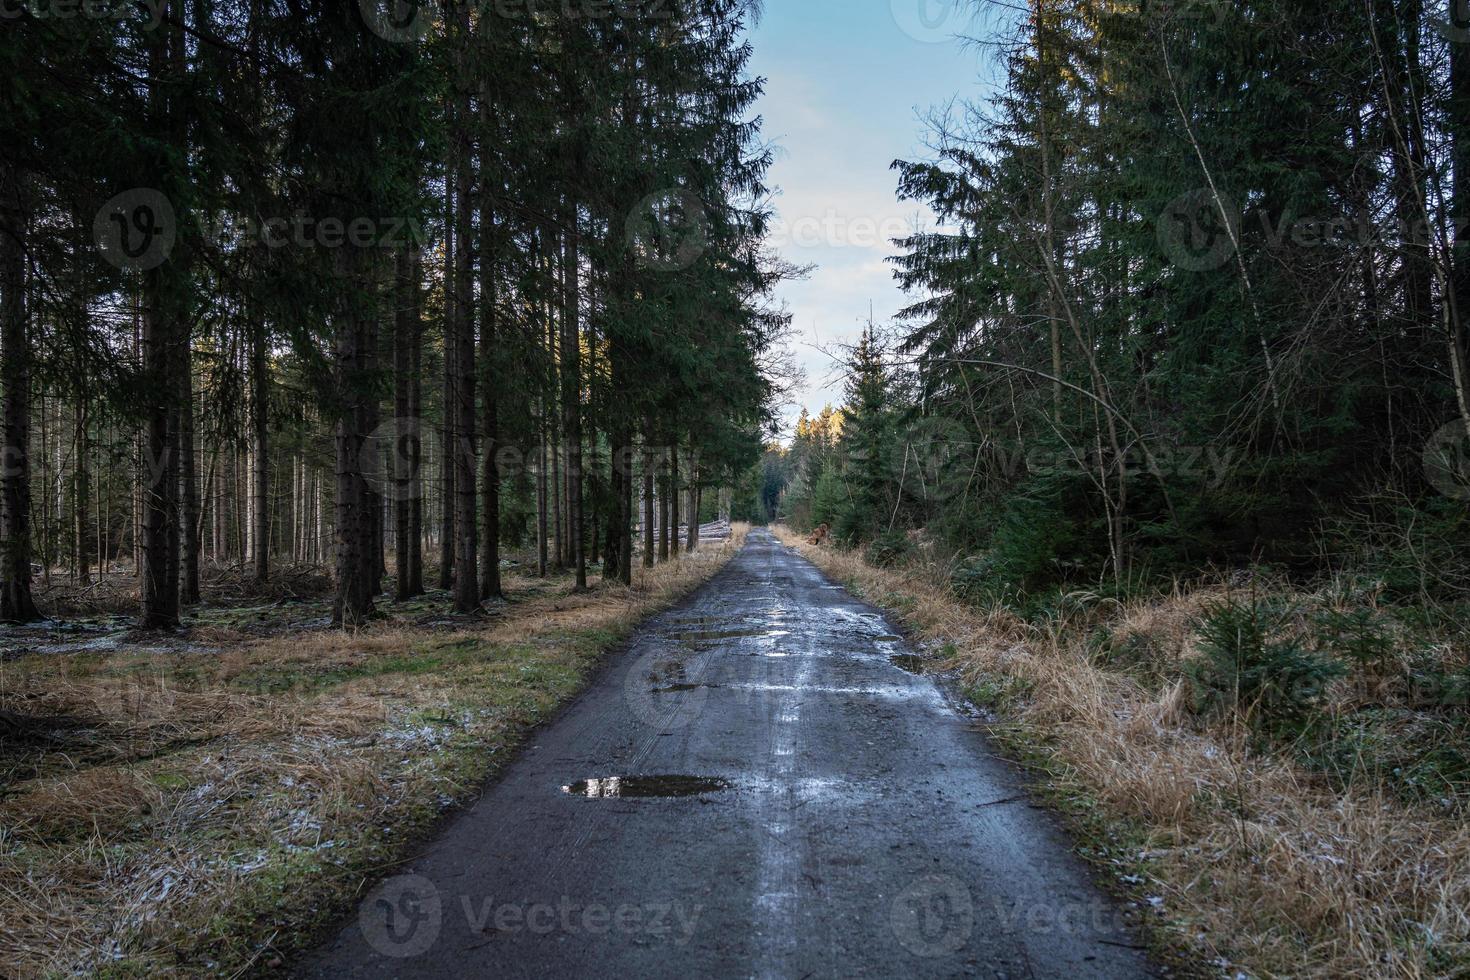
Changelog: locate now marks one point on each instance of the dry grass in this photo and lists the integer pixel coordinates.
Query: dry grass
(201, 813)
(1262, 866)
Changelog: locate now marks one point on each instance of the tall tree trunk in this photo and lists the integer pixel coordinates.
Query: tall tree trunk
(374, 504)
(354, 600)
(554, 490)
(612, 564)
(693, 542)
(101, 511)
(664, 532)
(618, 557)
(467, 545)
(404, 434)
(490, 586)
(1459, 307)
(447, 467)
(159, 466)
(260, 522)
(189, 477)
(81, 492)
(163, 330)
(542, 557)
(648, 514)
(490, 265)
(571, 386)
(626, 513)
(594, 530)
(16, 603)
(1411, 169)
(416, 447)
(213, 488)
(674, 490)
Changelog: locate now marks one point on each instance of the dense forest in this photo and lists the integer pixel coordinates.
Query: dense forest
(1197, 300)
(386, 289)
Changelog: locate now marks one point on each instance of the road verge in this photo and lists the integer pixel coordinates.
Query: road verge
(207, 811)
(1251, 862)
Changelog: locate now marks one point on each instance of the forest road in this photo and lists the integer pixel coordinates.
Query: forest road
(754, 787)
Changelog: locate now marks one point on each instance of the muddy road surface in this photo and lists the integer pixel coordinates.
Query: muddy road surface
(759, 786)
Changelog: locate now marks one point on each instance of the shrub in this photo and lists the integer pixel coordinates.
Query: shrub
(1360, 637)
(1253, 667)
(888, 549)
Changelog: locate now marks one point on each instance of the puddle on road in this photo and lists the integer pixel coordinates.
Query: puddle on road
(646, 787)
(710, 636)
(681, 688)
(900, 692)
(706, 622)
(908, 662)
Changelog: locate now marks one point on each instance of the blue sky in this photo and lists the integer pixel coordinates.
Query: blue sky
(848, 85)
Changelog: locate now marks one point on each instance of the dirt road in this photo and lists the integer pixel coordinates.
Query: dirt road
(756, 787)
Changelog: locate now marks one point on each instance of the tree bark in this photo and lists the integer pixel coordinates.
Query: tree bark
(259, 454)
(693, 543)
(370, 281)
(159, 467)
(16, 603)
(648, 513)
(447, 468)
(490, 586)
(80, 493)
(612, 566)
(189, 586)
(674, 498)
(663, 514)
(1411, 171)
(354, 600)
(162, 330)
(416, 412)
(627, 510)
(571, 386)
(542, 556)
(1459, 306)
(407, 451)
(467, 529)
(554, 490)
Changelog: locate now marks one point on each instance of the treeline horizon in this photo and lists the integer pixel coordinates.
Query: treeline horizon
(342, 283)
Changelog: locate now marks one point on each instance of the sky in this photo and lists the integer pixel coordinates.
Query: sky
(848, 86)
